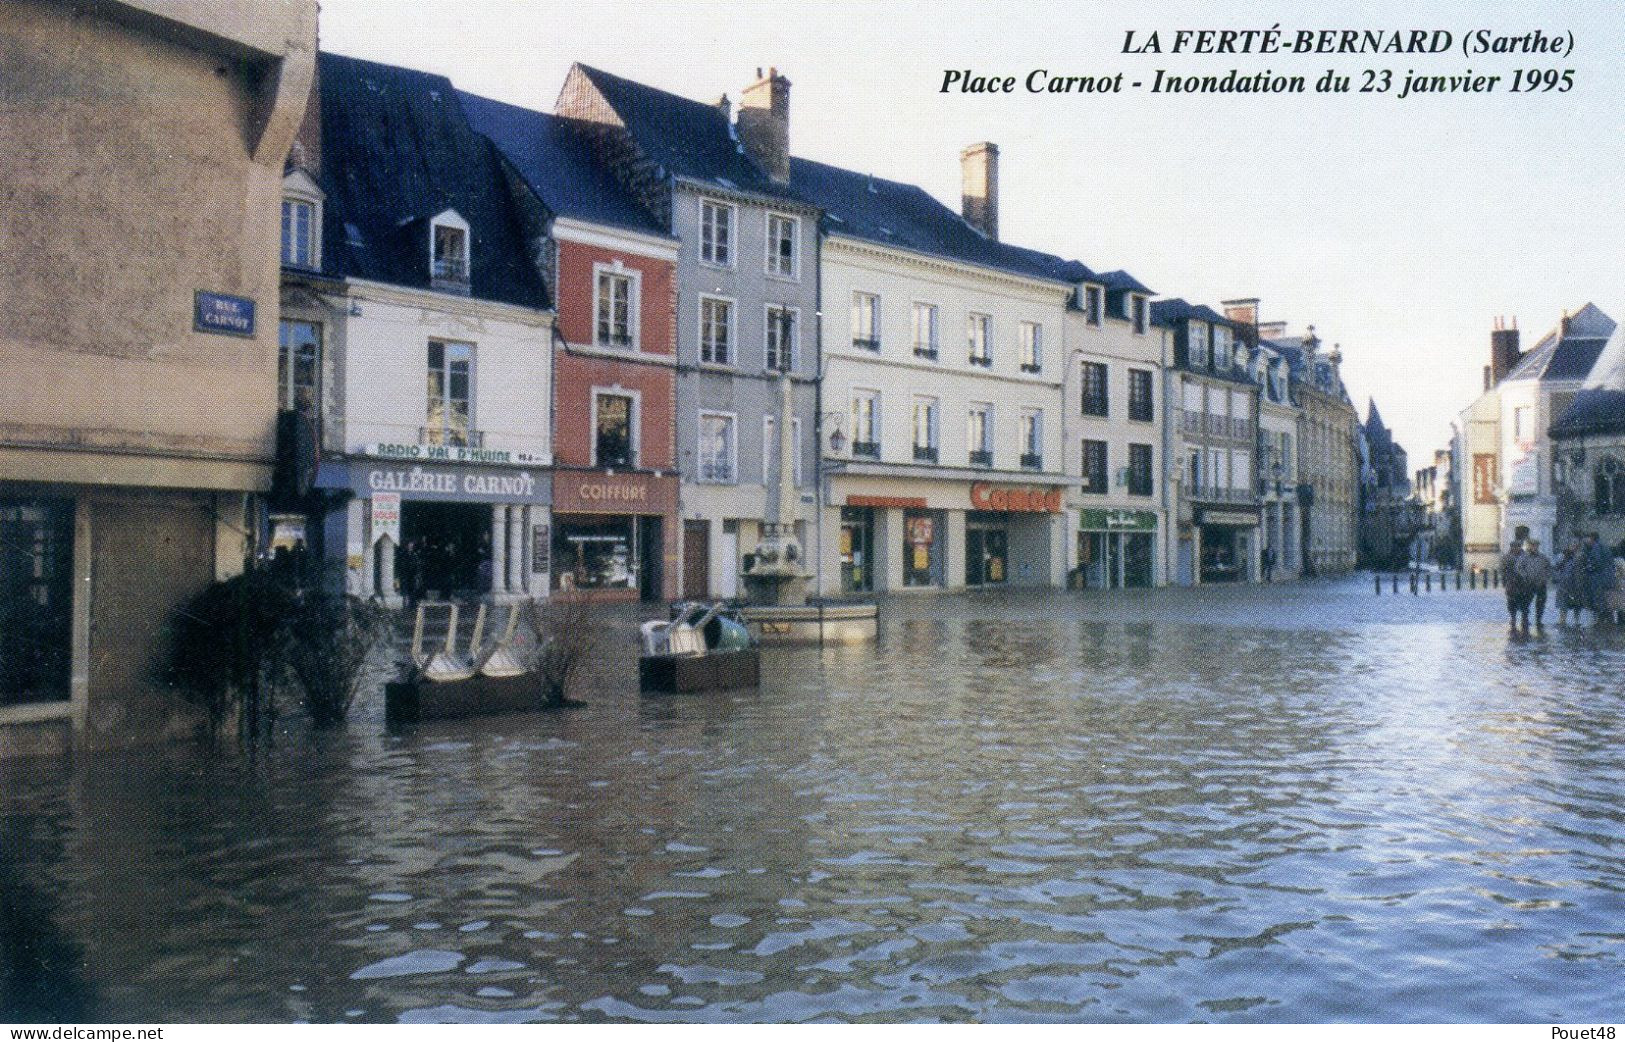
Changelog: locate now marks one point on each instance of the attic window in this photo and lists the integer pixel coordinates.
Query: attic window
(448, 245)
(301, 221)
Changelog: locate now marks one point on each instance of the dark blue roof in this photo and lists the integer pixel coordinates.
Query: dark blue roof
(559, 164)
(1595, 410)
(907, 217)
(1122, 281)
(1568, 352)
(397, 151)
(686, 138)
(1176, 309)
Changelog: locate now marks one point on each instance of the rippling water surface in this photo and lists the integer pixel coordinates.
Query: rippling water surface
(1296, 805)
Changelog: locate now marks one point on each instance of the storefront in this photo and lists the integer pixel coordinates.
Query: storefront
(438, 531)
(614, 535)
(1228, 540)
(1116, 549)
(891, 534)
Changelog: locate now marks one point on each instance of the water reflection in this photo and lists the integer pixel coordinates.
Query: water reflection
(1156, 809)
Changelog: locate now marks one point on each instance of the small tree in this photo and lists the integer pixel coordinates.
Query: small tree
(226, 651)
(566, 638)
(330, 638)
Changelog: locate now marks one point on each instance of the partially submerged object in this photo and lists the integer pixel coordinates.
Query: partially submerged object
(442, 681)
(703, 647)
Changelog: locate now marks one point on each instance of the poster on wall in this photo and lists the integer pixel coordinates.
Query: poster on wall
(386, 516)
(541, 549)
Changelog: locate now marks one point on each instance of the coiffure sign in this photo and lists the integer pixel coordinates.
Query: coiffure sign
(1015, 500)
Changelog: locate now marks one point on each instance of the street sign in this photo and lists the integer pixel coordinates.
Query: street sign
(222, 313)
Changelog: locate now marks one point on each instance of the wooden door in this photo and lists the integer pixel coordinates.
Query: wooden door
(696, 559)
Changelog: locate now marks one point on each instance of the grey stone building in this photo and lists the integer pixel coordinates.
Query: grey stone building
(747, 295)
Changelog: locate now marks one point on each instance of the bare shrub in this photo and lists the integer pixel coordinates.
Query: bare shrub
(566, 639)
(330, 639)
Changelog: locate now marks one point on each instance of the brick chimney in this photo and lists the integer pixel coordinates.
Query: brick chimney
(1504, 352)
(1244, 311)
(763, 124)
(979, 193)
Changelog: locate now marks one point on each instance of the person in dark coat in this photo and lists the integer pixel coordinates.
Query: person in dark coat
(1598, 566)
(1513, 586)
(1570, 583)
(1534, 574)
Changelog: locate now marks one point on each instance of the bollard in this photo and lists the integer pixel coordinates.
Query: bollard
(1495, 577)
(1378, 577)
(1414, 584)
(1458, 580)
(1428, 579)
(1396, 582)
(1472, 578)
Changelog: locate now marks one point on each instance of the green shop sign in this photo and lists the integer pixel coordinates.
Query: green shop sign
(1117, 521)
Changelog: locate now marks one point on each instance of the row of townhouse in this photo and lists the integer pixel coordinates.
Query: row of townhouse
(524, 354)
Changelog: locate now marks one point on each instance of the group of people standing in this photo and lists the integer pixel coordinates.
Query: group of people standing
(1583, 575)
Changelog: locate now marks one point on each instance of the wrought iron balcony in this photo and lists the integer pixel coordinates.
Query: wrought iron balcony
(985, 361)
(866, 449)
(981, 457)
(1032, 461)
(866, 343)
(465, 437)
(925, 453)
(927, 351)
(1031, 367)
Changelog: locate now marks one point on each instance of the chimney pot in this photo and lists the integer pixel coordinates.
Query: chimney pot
(763, 123)
(979, 191)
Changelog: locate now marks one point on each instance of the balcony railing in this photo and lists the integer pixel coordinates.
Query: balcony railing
(981, 457)
(985, 361)
(1031, 367)
(866, 343)
(866, 449)
(1032, 461)
(927, 351)
(1192, 422)
(925, 453)
(465, 437)
(1224, 495)
(451, 269)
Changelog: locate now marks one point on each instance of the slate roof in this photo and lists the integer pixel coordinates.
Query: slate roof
(1595, 410)
(1291, 348)
(558, 163)
(1119, 281)
(905, 216)
(687, 138)
(1174, 310)
(1569, 355)
(397, 150)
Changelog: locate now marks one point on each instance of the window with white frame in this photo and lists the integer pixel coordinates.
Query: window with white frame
(979, 339)
(1094, 305)
(925, 330)
(1221, 347)
(451, 395)
(866, 422)
(866, 321)
(299, 232)
(716, 330)
(299, 360)
(616, 308)
(1032, 439)
(782, 337)
(1032, 347)
(1196, 334)
(783, 240)
(448, 248)
(926, 410)
(614, 430)
(719, 448)
(717, 222)
(979, 434)
(770, 450)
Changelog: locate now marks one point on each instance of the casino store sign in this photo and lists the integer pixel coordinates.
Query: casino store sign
(1015, 500)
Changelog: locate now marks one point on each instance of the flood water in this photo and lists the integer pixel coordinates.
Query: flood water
(1304, 804)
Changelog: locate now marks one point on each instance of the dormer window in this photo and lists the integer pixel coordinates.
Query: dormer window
(448, 249)
(1137, 312)
(1221, 347)
(301, 221)
(1198, 344)
(1094, 306)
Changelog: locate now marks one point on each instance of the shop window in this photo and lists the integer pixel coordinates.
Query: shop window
(923, 551)
(595, 553)
(299, 359)
(1608, 486)
(36, 600)
(451, 395)
(614, 431)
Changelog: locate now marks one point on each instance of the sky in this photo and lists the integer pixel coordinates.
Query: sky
(1401, 228)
